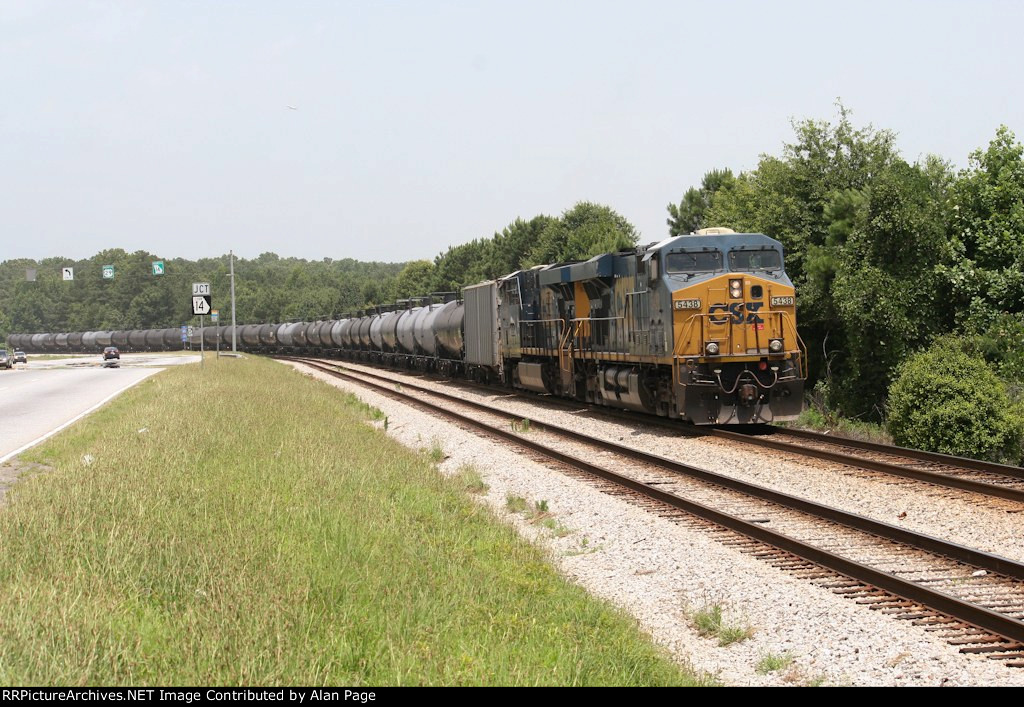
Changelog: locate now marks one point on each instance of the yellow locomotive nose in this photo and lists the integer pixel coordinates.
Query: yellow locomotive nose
(745, 317)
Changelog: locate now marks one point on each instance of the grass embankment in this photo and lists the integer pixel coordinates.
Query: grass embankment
(818, 419)
(241, 524)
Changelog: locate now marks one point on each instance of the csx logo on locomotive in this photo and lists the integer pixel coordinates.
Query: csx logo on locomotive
(738, 312)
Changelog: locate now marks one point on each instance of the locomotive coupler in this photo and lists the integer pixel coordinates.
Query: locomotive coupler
(748, 394)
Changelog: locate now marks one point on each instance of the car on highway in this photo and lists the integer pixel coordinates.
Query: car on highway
(5, 360)
(20, 357)
(111, 352)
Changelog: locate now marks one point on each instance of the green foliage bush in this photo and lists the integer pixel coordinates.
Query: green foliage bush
(948, 399)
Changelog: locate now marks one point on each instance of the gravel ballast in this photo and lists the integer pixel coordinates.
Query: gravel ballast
(662, 572)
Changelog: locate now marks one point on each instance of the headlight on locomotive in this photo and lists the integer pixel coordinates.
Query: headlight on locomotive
(711, 348)
(775, 345)
(736, 289)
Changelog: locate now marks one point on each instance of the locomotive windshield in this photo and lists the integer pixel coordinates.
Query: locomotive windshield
(753, 260)
(693, 261)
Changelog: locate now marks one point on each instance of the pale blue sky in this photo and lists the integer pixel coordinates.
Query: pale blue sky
(166, 126)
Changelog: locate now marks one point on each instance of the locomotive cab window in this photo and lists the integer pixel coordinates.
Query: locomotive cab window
(754, 260)
(693, 261)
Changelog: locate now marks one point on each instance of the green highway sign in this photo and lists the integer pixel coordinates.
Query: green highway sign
(108, 272)
(158, 267)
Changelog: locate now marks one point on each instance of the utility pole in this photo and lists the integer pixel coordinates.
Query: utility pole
(234, 334)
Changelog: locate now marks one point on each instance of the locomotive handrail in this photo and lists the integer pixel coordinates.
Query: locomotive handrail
(676, 349)
(800, 344)
(558, 332)
(565, 352)
(578, 339)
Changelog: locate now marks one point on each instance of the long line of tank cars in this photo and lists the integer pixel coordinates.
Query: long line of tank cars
(700, 327)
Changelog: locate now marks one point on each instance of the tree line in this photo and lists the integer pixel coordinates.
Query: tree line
(267, 288)
(274, 289)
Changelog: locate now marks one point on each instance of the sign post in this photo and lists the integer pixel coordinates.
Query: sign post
(201, 306)
(234, 332)
(214, 317)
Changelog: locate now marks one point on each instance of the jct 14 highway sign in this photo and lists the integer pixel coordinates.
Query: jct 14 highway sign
(201, 305)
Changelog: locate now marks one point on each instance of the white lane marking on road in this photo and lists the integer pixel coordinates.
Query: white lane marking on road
(73, 420)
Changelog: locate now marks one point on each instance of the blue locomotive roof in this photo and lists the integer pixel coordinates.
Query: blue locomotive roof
(606, 265)
(723, 242)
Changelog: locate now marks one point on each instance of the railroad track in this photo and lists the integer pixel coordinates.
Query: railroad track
(943, 472)
(986, 478)
(975, 599)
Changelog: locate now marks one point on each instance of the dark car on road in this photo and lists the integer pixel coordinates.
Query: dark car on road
(111, 357)
(5, 360)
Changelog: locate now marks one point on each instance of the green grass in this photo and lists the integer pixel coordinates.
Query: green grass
(818, 418)
(470, 479)
(262, 532)
(771, 663)
(522, 426)
(709, 622)
(516, 504)
(436, 452)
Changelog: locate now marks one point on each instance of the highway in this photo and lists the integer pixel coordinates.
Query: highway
(44, 396)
